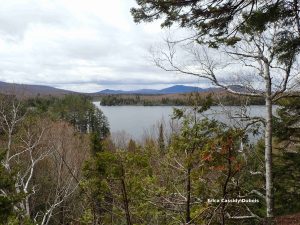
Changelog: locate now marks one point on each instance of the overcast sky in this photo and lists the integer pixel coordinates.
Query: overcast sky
(80, 45)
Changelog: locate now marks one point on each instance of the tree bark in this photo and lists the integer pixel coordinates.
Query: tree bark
(268, 143)
(27, 206)
(125, 199)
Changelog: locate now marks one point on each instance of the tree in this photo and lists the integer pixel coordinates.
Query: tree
(81, 113)
(40, 163)
(260, 35)
(287, 129)
(12, 113)
(161, 140)
(58, 175)
(117, 182)
(205, 154)
(132, 146)
(217, 22)
(287, 159)
(188, 148)
(8, 196)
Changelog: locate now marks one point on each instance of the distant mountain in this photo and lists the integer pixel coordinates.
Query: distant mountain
(28, 90)
(170, 90)
(181, 89)
(109, 91)
(140, 91)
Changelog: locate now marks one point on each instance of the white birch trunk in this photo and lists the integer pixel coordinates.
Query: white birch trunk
(268, 141)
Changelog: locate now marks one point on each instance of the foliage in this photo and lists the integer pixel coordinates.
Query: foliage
(218, 22)
(116, 181)
(148, 100)
(161, 140)
(75, 109)
(41, 164)
(287, 122)
(9, 198)
(177, 100)
(287, 188)
(261, 35)
(287, 158)
(81, 113)
(219, 169)
(138, 184)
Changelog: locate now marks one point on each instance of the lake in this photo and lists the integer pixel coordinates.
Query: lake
(139, 121)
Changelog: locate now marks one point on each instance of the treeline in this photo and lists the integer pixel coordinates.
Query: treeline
(177, 100)
(78, 110)
(113, 100)
(60, 166)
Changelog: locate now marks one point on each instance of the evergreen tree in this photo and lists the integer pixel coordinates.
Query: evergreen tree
(287, 156)
(132, 146)
(287, 122)
(7, 198)
(259, 34)
(161, 140)
(215, 22)
(10, 211)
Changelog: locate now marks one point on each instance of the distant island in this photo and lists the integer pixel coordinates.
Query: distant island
(175, 99)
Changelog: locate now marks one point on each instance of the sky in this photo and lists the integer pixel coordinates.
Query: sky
(84, 46)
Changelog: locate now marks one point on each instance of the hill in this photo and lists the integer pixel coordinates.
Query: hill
(28, 90)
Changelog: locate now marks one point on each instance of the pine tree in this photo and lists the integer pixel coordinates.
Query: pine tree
(259, 34)
(161, 140)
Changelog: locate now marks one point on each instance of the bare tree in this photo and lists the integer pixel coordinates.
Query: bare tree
(251, 68)
(64, 163)
(37, 145)
(11, 115)
(24, 146)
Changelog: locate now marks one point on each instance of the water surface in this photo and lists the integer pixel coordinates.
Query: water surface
(138, 121)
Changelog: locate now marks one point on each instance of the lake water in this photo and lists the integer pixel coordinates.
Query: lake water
(139, 121)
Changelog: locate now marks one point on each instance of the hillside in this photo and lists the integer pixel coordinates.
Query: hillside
(28, 90)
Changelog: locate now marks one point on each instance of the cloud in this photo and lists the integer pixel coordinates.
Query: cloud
(18, 16)
(79, 45)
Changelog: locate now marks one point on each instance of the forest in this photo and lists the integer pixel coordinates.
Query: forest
(176, 99)
(59, 166)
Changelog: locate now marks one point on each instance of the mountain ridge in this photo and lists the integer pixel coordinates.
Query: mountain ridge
(175, 89)
(31, 90)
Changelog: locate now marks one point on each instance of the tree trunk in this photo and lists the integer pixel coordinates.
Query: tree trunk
(268, 159)
(27, 206)
(268, 143)
(8, 151)
(125, 199)
(188, 197)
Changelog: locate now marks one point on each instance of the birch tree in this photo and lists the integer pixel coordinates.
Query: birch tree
(63, 174)
(12, 113)
(259, 37)
(30, 140)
